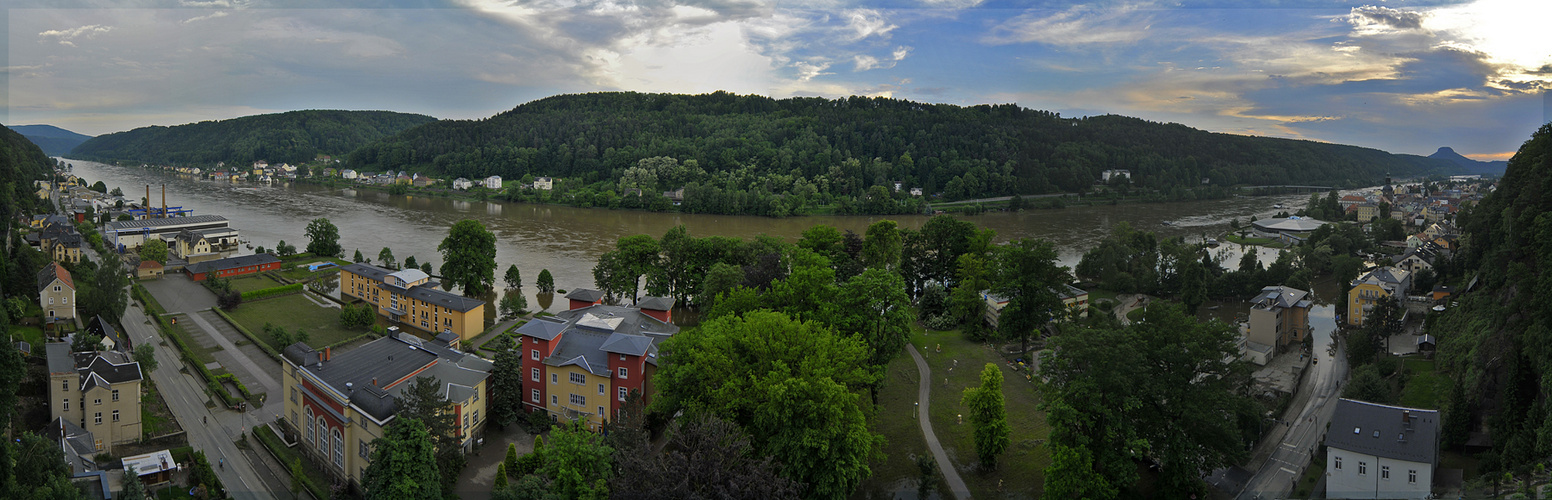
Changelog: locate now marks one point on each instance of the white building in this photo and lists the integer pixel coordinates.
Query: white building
(462, 183)
(544, 183)
(349, 174)
(1379, 451)
(493, 182)
(1110, 174)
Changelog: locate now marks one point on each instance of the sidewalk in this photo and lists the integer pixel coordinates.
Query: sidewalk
(950, 474)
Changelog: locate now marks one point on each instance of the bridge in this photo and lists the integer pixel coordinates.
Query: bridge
(1290, 187)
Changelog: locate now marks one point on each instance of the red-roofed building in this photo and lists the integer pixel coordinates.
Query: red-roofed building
(56, 292)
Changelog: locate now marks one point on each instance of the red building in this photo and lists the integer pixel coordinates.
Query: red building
(579, 358)
(232, 266)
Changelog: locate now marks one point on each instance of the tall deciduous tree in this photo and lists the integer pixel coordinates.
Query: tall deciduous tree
(881, 249)
(423, 401)
(988, 413)
(145, 354)
(153, 250)
(385, 258)
(1028, 276)
(410, 263)
(469, 257)
(706, 457)
(874, 307)
(323, 239)
(791, 384)
(404, 464)
(506, 383)
(12, 370)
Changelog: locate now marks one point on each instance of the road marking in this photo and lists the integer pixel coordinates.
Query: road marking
(1285, 469)
(1289, 445)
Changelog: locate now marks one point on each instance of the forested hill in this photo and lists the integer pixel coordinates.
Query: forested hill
(290, 137)
(54, 141)
(1496, 341)
(984, 150)
(21, 162)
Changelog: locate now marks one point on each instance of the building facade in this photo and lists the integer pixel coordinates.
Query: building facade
(232, 266)
(1379, 451)
(132, 234)
(1279, 316)
(338, 404)
(493, 182)
(100, 391)
(56, 292)
(411, 298)
(584, 363)
(1372, 287)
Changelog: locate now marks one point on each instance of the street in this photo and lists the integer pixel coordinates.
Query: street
(186, 398)
(1304, 426)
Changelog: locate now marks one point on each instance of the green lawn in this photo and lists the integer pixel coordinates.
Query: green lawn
(254, 282)
(1234, 238)
(292, 312)
(490, 345)
(1020, 469)
(1423, 386)
(31, 334)
(895, 419)
(201, 354)
(300, 272)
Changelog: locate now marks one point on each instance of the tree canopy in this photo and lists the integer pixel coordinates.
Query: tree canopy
(323, 239)
(290, 137)
(469, 257)
(403, 464)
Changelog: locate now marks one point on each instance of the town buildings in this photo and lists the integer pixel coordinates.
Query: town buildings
(56, 292)
(1074, 299)
(1379, 451)
(131, 234)
(585, 362)
(232, 266)
(338, 404)
(1374, 286)
(493, 182)
(410, 297)
(462, 183)
(99, 390)
(1279, 316)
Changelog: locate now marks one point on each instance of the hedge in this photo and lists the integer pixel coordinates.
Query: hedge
(286, 455)
(251, 337)
(367, 335)
(271, 292)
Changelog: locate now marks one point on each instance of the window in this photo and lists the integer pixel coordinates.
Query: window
(293, 417)
(323, 436)
(577, 378)
(97, 402)
(600, 389)
(534, 354)
(476, 396)
(578, 400)
(115, 415)
(64, 385)
(623, 372)
(361, 449)
(554, 379)
(97, 419)
(465, 422)
(1338, 463)
(1385, 472)
(1363, 468)
(622, 392)
(554, 399)
(307, 430)
(600, 411)
(476, 416)
(339, 450)
(535, 374)
(67, 405)
(534, 395)
(51, 302)
(99, 444)
(293, 396)
(115, 394)
(1412, 476)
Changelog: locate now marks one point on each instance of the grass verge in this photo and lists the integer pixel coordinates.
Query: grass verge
(895, 418)
(1423, 385)
(253, 282)
(291, 312)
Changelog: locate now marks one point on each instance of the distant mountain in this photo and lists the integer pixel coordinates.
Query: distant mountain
(21, 162)
(291, 137)
(842, 147)
(1470, 166)
(53, 140)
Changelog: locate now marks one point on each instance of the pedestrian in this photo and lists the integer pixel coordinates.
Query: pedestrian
(223, 463)
(206, 419)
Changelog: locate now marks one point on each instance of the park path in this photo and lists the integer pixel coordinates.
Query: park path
(950, 473)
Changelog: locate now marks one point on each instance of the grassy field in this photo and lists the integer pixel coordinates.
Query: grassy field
(292, 312)
(1423, 386)
(253, 282)
(1021, 469)
(31, 334)
(895, 419)
(300, 272)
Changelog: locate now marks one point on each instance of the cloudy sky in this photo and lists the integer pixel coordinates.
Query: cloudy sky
(1403, 76)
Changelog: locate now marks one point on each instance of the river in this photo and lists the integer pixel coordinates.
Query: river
(568, 240)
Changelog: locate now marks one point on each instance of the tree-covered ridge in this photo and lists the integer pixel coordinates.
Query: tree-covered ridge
(290, 137)
(1496, 340)
(844, 146)
(21, 162)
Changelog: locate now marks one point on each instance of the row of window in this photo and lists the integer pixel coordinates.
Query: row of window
(575, 377)
(97, 418)
(1363, 470)
(322, 439)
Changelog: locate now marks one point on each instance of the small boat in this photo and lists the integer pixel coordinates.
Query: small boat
(1279, 205)
(1212, 242)
(1167, 223)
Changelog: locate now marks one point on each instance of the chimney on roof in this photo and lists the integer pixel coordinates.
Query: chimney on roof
(374, 381)
(164, 200)
(328, 353)
(347, 386)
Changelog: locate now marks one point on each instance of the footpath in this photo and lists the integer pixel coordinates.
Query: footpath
(950, 474)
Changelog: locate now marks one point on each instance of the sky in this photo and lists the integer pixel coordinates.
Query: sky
(1402, 76)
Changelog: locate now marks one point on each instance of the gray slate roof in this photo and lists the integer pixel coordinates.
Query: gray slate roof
(585, 295)
(78, 444)
(162, 222)
(589, 334)
(51, 271)
(231, 262)
(387, 360)
(1355, 424)
(1281, 297)
(656, 303)
(101, 328)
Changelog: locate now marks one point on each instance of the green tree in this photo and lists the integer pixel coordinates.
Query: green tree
(469, 257)
(513, 303)
(410, 263)
(385, 258)
(790, 383)
(577, 462)
(323, 239)
(501, 477)
(637, 255)
(965, 301)
(1072, 474)
(145, 354)
(706, 457)
(100, 187)
(85, 342)
(403, 464)
(511, 459)
(988, 414)
(284, 249)
(1028, 276)
(506, 385)
(106, 296)
(133, 488)
(545, 283)
(513, 278)
(13, 369)
(424, 401)
(425, 267)
(721, 278)
(1368, 385)
(358, 258)
(873, 306)
(881, 249)
(153, 250)
(298, 477)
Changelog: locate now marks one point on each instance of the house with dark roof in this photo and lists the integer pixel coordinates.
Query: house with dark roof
(232, 266)
(338, 404)
(1381, 451)
(112, 340)
(99, 391)
(56, 292)
(595, 355)
(411, 298)
(1279, 316)
(133, 233)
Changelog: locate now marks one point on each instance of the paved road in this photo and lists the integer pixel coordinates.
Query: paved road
(186, 398)
(955, 484)
(1284, 455)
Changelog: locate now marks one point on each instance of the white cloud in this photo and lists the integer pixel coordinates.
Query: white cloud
(213, 15)
(866, 23)
(864, 62)
(1077, 25)
(67, 37)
